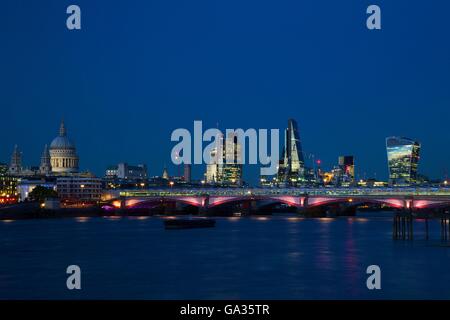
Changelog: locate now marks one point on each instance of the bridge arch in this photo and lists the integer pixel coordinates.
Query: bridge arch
(324, 201)
(152, 202)
(294, 201)
(430, 204)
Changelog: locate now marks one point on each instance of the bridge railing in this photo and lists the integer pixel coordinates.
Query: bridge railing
(285, 191)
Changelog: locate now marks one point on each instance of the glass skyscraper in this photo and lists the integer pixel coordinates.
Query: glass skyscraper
(213, 168)
(226, 165)
(403, 160)
(291, 169)
(232, 164)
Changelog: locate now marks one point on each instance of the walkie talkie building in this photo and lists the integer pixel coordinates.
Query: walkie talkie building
(403, 160)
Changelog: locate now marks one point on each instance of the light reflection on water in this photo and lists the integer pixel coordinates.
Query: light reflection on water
(261, 218)
(139, 218)
(286, 257)
(112, 218)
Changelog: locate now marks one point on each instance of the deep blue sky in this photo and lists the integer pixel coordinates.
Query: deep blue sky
(139, 69)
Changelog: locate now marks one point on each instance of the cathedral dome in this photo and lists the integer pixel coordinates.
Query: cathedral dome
(63, 154)
(62, 142)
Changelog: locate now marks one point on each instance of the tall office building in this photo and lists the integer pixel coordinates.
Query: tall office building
(213, 172)
(232, 164)
(347, 170)
(225, 166)
(187, 173)
(403, 160)
(291, 169)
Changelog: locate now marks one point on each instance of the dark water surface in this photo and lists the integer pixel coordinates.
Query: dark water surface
(241, 258)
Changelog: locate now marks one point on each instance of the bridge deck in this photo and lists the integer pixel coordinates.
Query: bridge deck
(334, 192)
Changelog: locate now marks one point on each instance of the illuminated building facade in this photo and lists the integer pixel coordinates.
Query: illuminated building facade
(267, 181)
(127, 172)
(225, 163)
(8, 185)
(347, 170)
(328, 177)
(291, 168)
(26, 186)
(79, 189)
(403, 160)
(63, 154)
(214, 168)
(57, 160)
(232, 164)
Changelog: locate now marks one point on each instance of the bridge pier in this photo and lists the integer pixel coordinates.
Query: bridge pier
(403, 223)
(123, 205)
(403, 226)
(178, 206)
(169, 208)
(249, 207)
(204, 208)
(317, 204)
(445, 227)
(346, 209)
(253, 207)
(303, 201)
(411, 226)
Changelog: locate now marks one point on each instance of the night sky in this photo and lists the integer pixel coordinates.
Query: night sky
(140, 69)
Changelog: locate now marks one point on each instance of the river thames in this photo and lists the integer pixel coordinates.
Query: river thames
(274, 257)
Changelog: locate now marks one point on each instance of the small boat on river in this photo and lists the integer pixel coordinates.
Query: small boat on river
(189, 223)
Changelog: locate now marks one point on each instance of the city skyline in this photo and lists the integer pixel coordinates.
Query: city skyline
(214, 154)
(124, 87)
(62, 147)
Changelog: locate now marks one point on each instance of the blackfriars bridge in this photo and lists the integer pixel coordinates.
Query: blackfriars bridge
(205, 199)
